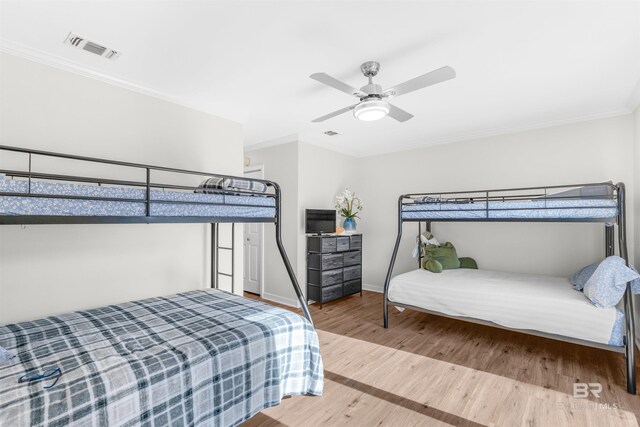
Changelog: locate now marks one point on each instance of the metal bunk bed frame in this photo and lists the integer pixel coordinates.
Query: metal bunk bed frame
(485, 197)
(147, 218)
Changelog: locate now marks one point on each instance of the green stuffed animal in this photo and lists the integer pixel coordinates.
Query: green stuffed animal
(466, 262)
(444, 257)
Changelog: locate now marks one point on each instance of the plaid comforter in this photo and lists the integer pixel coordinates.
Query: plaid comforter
(197, 358)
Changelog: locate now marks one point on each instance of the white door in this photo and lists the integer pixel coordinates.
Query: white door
(253, 249)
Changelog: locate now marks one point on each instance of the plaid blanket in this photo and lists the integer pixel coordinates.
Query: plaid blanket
(198, 358)
(215, 185)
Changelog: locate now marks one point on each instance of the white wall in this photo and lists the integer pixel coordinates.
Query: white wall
(591, 151)
(280, 165)
(323, 175)
(310, 177)
(53, 269)
(636, 193)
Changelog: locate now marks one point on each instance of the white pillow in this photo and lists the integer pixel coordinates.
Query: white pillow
(427, 238)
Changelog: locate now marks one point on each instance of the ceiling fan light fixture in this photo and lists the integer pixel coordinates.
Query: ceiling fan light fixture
(370, 110)
(373, 103)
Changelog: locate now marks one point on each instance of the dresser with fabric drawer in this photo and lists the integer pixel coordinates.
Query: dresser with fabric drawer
(334, 267)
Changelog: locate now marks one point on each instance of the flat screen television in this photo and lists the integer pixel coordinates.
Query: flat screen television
(319, 221)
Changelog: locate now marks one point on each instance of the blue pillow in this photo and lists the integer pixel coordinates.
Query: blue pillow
(605, 288)
(5, 356)
(581, 276)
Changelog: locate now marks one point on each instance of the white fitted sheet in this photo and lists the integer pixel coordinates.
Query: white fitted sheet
(520, 301)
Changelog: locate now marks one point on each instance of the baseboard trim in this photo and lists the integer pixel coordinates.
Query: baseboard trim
(280, 300)
(372, 288)
(294, 302)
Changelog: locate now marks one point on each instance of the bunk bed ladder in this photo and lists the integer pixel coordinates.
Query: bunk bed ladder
(215, 256)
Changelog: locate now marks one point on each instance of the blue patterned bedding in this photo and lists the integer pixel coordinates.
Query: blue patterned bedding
(244, 206)
(204, 358)
(605, 209)
(618, 333)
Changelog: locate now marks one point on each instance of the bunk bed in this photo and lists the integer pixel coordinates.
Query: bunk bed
(200, 357)
(532, 304)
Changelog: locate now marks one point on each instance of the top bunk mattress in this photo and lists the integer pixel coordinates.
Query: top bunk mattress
(125, 201)
(591, 202)
(604, 209)
(518, 301)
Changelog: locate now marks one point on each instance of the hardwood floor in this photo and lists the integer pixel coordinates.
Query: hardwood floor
(430, 370)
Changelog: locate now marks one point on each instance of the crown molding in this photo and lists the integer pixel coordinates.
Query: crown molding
(462, 137)
(35, 55)
(499, 131)
(634, 98)
(506, 130)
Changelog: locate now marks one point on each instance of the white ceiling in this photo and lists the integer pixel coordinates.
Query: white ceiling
(520, 64)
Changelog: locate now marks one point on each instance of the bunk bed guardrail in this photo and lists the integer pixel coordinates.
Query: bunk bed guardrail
(502, 205)
(147, 185)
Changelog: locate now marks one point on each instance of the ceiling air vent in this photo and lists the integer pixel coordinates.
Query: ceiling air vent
(80, 42)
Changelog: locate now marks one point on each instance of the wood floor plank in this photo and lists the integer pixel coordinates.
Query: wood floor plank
(431, 370)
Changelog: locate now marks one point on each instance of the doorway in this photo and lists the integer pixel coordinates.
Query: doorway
(253, 247)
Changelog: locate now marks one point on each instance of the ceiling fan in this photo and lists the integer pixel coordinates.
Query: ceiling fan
(373, 103)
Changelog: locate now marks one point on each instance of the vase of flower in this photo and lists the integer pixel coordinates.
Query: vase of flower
(348, 205)
(349, 225)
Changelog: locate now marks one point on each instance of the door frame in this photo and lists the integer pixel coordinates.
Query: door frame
(249, 169)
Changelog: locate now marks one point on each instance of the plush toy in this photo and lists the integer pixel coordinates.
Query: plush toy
(432, 265)
(466, 262)
(443, 257)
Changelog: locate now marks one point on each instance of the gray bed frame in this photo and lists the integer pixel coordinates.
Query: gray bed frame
(147, 184)
(617, 193)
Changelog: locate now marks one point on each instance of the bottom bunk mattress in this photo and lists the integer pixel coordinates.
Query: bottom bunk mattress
(198, 358)
(518, 301)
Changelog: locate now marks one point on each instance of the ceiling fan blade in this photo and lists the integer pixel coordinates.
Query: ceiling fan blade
(337, 84)
(399, 114)
(335, 113)
(437, 76)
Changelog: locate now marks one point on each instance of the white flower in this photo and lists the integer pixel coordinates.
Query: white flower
(348, 204)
